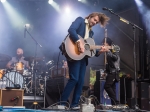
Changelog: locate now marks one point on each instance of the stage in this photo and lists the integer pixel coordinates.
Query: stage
(12, 109)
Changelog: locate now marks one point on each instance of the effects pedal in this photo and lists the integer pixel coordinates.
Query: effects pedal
(87, 106)
(57, 107)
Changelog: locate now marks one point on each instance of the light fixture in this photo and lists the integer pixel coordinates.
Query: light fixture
(3, 1)
(67, 9)
(50, 1)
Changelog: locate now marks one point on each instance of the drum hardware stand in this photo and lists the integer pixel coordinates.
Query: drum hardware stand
(44, 90)
(29, 90)
(35, 103)
(134, 26)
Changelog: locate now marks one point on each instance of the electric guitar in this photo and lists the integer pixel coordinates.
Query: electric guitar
(72, 51)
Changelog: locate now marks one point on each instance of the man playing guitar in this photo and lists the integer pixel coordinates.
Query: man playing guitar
(77, 68)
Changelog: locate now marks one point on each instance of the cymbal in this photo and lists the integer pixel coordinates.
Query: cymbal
(4, 57)
(33, 58)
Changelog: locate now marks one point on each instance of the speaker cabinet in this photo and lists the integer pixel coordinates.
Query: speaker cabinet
(131, 102)
(13, 97)
(102, 95)
(143, 103)
(149, 91)
(54, 89)
(143, 90)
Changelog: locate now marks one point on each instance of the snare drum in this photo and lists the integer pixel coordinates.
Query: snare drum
(19, 67)
(12, 78)
(2, 72)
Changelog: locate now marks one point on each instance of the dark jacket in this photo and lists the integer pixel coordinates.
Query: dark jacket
(78, 27)
(113, 63)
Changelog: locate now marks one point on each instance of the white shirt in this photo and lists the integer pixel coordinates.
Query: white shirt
(87, 29)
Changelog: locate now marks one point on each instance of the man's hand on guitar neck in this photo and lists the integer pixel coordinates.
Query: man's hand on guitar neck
(103, 49)
(80, 46)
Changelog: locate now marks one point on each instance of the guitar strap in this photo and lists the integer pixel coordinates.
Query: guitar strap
(62, 49)
(62, 46)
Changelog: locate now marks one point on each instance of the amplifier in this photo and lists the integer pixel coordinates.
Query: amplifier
(56, 85)
(60, 72)
(11, 97)
(143, 103)
(54, 89)
(143, 90)
(102, 95)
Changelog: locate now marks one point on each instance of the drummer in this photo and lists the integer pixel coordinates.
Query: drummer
(19, 59)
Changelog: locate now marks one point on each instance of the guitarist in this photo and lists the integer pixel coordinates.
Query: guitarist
(112, 69)
(77, 68)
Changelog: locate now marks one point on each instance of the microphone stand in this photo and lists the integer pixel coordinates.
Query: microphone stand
(134, 26)
(35, 103)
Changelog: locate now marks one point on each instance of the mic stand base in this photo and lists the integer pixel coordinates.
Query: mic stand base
(35, 105)
(136, 108)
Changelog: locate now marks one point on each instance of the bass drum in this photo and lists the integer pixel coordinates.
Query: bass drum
(12, 78)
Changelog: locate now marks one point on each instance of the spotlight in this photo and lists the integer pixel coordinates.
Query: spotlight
(79, 0)
(27, 25)
(67, 10)
(139, 2)
(3, 1)
(50, 1)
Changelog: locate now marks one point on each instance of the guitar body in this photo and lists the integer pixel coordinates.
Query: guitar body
(72, 50)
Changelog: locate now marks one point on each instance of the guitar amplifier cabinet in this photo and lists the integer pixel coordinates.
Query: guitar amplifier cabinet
(143, 103)
(102, 95)
(54, 89)
(143, 90)
(60, 72)
(11, 97)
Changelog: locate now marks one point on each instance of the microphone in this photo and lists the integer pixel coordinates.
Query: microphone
(105, 8)
(15, 98)
(25, 32)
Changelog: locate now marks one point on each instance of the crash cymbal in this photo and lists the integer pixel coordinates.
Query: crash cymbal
(4, 57)
(33, 58)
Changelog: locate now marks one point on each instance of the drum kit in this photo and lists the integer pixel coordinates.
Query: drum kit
(25, 77)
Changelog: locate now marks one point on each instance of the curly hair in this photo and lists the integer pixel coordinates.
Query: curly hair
(103, 19)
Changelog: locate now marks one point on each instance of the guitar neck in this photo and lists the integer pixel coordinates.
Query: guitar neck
(99, 47)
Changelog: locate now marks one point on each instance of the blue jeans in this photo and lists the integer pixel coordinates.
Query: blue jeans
(76, 72)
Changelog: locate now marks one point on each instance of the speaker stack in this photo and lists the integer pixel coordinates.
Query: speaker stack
(100, 92)
(143, 95)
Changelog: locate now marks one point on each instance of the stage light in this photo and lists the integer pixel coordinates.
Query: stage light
(145, 13)
(54, 5)
(3, 1)
(16, 19)
(83, 1)
(27, 25)
(50, 1)
(67, 10)
(139, 2)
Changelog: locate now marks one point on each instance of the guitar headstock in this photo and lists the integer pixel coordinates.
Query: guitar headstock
(116, 48)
